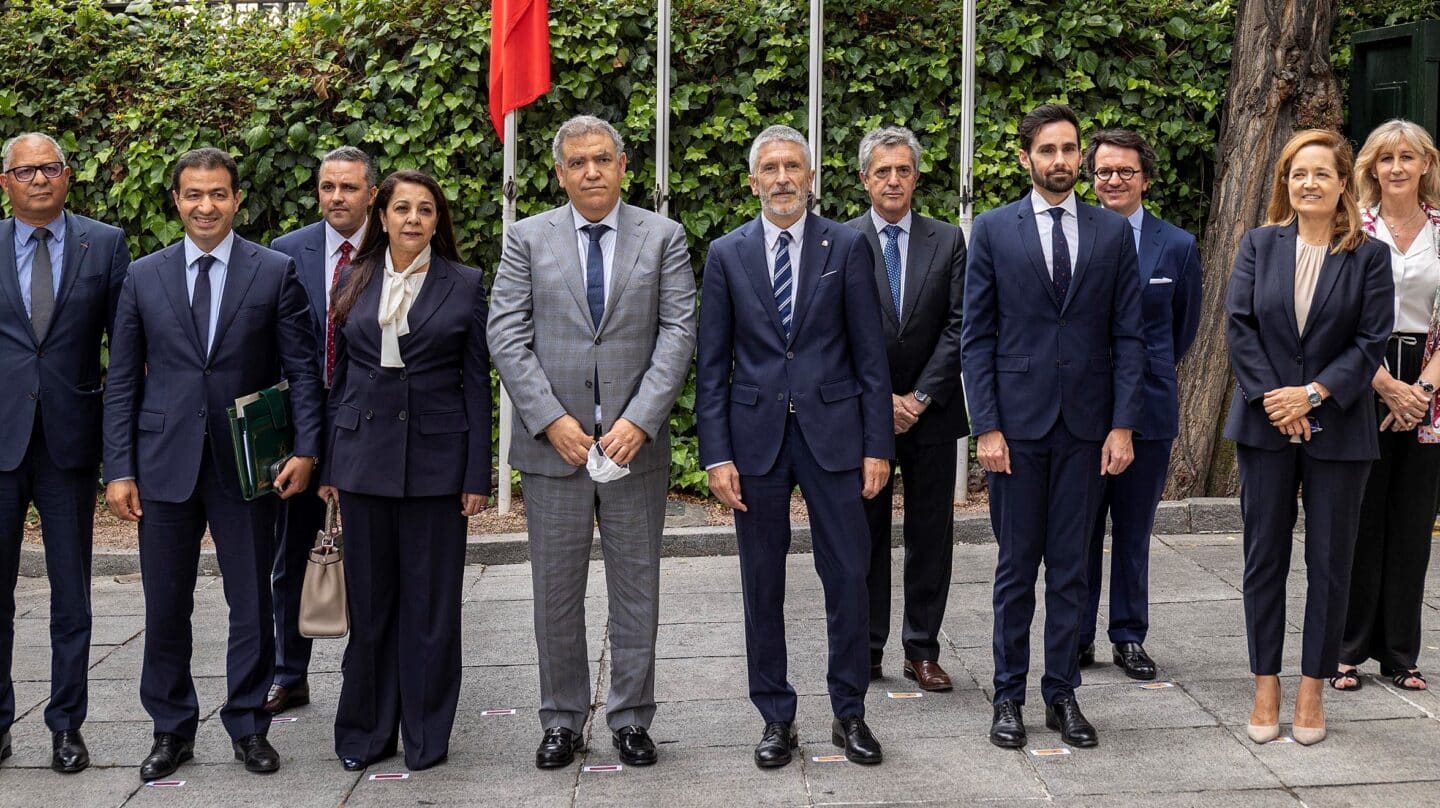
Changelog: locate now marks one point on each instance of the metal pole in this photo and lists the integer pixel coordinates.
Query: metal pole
(507, 410)
(662, 110)
(967, 193)
(817, 64)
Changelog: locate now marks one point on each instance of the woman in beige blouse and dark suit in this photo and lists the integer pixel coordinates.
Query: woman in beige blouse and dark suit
(1309, 309)
(1399, 189)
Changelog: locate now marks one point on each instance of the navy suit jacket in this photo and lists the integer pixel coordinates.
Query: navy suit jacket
(1029, 359)
(1351, 316)
(832, 367)
(424, 429)
(306, 247)
(1170, 306)
(62, 374)
(165, 399)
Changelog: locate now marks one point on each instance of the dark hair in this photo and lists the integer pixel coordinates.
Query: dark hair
(350, 154)
(1041, 116)
(1123, 139)
(371, 256)
(205, 158)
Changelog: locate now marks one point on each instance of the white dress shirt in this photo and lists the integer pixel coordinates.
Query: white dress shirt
(218, 271)
(1416, 272)
(902, 242)
(1069, 224)
(797, 239)
(607, 243)
(333, 240)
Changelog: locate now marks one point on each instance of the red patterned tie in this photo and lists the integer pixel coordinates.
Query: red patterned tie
(344, 261)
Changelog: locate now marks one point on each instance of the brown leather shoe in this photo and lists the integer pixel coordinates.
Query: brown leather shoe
(283, 698)
(928, 675)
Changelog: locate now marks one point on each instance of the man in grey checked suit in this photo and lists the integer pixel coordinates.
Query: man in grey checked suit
(592, 327)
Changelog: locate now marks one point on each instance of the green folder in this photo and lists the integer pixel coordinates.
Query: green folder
(264, 438)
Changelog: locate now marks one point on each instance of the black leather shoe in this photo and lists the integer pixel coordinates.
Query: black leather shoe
(257, 754)
(877, 671)
(860, 746)
(1064, 715)
(775, 744)
(68, 754)
(636, 748)
(1087, 655)
(352, 764)
(1007, 728)
(169, 751)
(281, 699)
(5, 750)
(557, 748)
(1137, 664)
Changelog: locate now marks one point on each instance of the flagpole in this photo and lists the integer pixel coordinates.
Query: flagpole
(817, 64)
(967, 192)
(507, 410)
(662, 110)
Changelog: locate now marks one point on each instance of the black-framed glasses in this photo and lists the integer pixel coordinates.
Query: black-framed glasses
(1127, 173)
(27, 173)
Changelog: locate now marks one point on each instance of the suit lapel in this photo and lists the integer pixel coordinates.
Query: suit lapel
(1085, 218)
(238, 277)
(752, 258)
(10, 276)
(433, 291)
(1284, 244)
(77, 244)
(813, 258)
(172, 278)
(919, 261)
(882, 277)
(314, 275)
(1325, 284)
(630, 237)
(1029, 235)
(562, 243)
(1152, 245)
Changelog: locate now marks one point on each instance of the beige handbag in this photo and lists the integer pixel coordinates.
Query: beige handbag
(324, 612)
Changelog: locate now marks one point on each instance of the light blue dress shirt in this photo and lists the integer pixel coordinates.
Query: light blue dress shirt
(25, 255)
(1137, 220)
(218, 271)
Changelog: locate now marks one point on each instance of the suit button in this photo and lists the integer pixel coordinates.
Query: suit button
(369, 415)
(40, 354)
(32, 396)
(403, 376)
(403, 415)
(779, 396)
(597, 340)
(1062, 323)
(209, 372)
(200, 414)
(372, 374)
(1299, 360)
(789, 354)
(587, 384)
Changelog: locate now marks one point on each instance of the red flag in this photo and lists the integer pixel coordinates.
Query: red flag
(519, 56)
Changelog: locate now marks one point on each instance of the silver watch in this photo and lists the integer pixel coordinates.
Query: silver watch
(1313, 395)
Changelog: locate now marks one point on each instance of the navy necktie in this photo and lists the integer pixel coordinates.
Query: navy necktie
(200, 301)
(784, 289)
(892, 263)
(595, 273)
(1059, 255)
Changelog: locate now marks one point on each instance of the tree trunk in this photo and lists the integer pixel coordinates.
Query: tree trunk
(1280, 82)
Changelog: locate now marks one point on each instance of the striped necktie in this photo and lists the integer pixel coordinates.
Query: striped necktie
(784, 288)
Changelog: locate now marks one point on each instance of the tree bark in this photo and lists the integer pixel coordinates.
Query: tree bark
(1280, 82)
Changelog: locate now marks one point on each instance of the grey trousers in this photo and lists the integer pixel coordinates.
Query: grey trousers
(562, 513)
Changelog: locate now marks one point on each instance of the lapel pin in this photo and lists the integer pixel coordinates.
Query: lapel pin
(825, 243)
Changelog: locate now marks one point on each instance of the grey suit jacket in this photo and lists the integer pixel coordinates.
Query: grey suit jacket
(547, 351)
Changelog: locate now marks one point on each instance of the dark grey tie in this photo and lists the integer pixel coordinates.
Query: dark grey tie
(200, 301)
(42, 284)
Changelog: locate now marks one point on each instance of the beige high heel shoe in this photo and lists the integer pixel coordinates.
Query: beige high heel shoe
(1307, 736)
(1265, 733)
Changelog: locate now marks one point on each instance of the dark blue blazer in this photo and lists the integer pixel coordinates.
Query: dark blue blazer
(1351, 316)
(1030, 360)
(62, 374)
(424, 429)
(165, 394)
(306, 247)
(1170, 308)
(833, 366)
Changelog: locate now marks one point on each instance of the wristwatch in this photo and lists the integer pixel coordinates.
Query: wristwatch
(1427, 387)
(922, 397)
(1313, 395)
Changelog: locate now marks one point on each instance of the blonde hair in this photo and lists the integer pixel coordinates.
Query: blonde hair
(1390, 137)
(1347, 234)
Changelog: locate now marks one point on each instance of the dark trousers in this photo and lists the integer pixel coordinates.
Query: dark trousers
(66, 501)
(842, 555)
(1392, 553)
(1130, 501)
(297, 520)
(170, 534)
(929, 492)
(1331, 493)
(1042, 511)
(404, 576)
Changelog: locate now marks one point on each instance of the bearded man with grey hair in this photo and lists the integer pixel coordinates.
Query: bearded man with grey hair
(592, 326)
(793, 388)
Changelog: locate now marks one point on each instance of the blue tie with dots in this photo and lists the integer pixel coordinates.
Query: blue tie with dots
(1059, 256)
(892, 263)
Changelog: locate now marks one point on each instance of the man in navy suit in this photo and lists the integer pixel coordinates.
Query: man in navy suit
(1051, 354)
(793, 387)
(320, 250)
(1122, 165)
(201, 323)
(60, 276)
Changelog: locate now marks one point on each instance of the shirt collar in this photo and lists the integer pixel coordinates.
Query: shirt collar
(772, 230)
(221, 252)
(881, 224)
(612, 219)
(1137, 219)
(1042, 207)
(24, 231)
(333, 239)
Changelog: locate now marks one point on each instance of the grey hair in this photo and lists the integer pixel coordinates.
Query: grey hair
(776, 134)
(12, 142)
(580, 126)
(888, 136)
(350, 154)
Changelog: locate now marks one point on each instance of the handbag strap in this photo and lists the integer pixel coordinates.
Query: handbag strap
(328, 536)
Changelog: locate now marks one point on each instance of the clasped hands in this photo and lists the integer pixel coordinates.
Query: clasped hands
(1407, 403)
(573, 443)
(907, 410)
(1287, 408)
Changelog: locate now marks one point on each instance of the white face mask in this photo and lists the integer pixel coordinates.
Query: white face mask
(602, 469)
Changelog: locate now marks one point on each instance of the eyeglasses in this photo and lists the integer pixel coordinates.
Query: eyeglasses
(27, 173)
(1127, 173)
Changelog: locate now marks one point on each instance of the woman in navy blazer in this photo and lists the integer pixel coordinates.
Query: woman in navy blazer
(1309, 309)
(409, 457)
